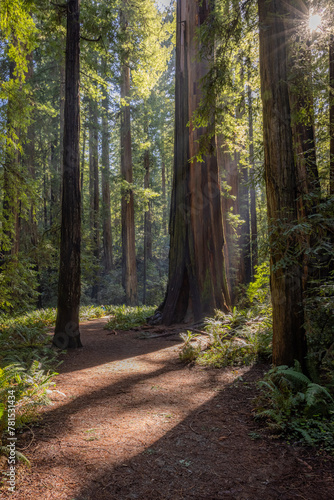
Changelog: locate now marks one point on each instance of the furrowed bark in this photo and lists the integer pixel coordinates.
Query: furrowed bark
(197, 282)
(289, 340)
(128, 224)
(67, 332)
(106, 214)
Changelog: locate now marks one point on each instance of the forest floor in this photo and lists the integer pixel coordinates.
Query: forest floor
(130, 421)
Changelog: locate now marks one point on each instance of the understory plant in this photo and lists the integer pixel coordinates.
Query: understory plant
(241, 337)
(296, 408)
(126, 317)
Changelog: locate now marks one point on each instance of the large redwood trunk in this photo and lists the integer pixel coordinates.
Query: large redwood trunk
(67, 332)
(302, 120)
(289, 340)
(128, 221)
(197, 283)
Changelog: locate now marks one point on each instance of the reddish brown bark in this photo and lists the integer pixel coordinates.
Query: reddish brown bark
(94, 192)
(67, 332)
(164, 197)
(128, 222)
(253, 215)
(302, 121)
(105, 169)
(289, 340)
(197, 283)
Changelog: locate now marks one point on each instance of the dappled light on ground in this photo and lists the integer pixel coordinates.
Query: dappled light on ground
(144, 426)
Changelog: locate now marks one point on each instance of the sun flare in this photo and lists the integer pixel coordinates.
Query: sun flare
(314, 22)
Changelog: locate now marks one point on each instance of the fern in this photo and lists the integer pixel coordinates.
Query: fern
(296, 407)
(316, 392)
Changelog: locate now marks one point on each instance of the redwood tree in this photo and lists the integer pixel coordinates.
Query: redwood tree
(128, 222)
(67, 332)
(289, 340)
(105, 175)
(94, 191)
(197, 282)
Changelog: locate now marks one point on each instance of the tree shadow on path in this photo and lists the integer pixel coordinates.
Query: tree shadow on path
(217, 453)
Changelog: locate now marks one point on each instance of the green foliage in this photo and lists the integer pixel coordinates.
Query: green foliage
(258, 292)
(235, 339)
(30, 386)
(90, 312)
(296, 408)
(18, 285)
(18, 29)
(127, 318)
(189, 352)
(242, 337)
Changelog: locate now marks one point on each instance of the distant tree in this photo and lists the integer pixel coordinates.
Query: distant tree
(105, 175)
(94, 193)
(128, 224)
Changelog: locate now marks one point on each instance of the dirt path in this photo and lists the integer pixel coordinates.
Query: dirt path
(131, 422)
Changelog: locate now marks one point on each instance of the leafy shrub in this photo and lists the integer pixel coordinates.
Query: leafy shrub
(235, 339)
(189, 352)
(297, 408)
(126, 318)
(258, 292)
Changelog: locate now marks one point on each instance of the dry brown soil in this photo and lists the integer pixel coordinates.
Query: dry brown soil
(131, 422)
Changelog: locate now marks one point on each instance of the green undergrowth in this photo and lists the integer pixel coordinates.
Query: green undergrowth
(126, 317)
(241, 337)
(296, 408)
(234, 339)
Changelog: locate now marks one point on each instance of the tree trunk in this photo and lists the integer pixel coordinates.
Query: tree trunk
(67, 332)
(106, 214)
(197, 283)
(82, 168)
(244, 274)
(230, 205)
(147, 220)
(253, 216)
(331, 114)
(164, 197)
(302, 120)
(128, 222)
(94, 192)
(289, 340)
